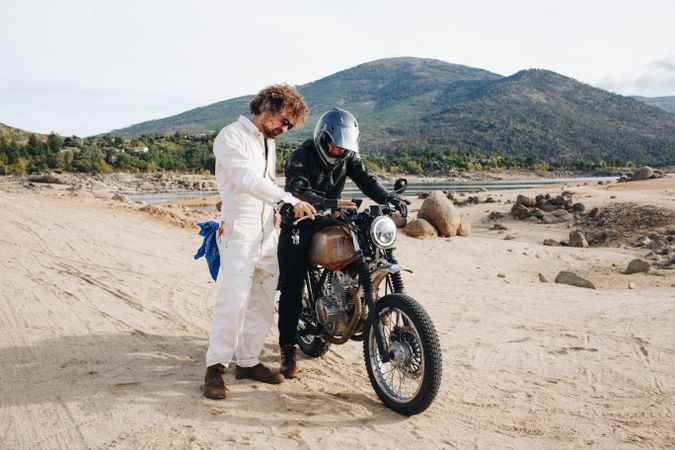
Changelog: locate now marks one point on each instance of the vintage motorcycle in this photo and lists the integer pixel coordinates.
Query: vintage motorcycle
(354, 291)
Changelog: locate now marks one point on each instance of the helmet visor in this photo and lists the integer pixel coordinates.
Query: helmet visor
(347, 138)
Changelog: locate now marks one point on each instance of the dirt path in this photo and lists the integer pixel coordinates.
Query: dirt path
(104, 318)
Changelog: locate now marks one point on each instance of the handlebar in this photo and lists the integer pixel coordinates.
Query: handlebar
(326, 212)
(385, 209)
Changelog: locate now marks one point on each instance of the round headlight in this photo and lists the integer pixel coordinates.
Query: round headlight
(383, 232)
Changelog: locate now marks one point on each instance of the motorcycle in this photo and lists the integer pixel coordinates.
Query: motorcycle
(354, 291)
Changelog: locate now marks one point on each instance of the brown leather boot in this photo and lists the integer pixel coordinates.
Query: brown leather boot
(289, 367)
(258, 373)
(214, 386)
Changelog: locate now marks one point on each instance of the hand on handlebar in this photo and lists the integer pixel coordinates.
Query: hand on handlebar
(303, 208)
(346, 204)
(400, 204)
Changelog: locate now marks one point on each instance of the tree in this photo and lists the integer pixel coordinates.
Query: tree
(54, 142)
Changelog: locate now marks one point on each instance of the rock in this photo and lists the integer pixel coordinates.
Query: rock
(120, 198)
(496, 215)
(631, 285)
(441, 213)
(579, 207)
(526, 201)
(538, 213)
(636, 266)
(542, 278)
(482, 189)
(573, 280)
(643, 173)
(399, 220)
(563, 215)
(593, 213)
(551, 243)
(577, 239)
(520, 212)
(508, 237)
(498, 226)
(219, 205)
(420, 228)
(644, 241)
(464, 227)
(501, 275)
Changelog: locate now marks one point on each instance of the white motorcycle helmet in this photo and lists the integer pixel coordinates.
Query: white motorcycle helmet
(338, 127)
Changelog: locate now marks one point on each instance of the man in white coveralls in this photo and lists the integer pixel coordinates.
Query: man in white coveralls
(247, 239)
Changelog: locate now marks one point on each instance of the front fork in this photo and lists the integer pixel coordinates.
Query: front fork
(384, 269)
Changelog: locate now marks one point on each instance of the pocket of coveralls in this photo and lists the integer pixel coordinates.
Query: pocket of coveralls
(225, 232)
(238, 230)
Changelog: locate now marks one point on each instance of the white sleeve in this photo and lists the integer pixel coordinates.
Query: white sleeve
(231, 153)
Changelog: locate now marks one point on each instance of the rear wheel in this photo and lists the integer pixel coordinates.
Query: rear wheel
(410, 380)
(310, 345)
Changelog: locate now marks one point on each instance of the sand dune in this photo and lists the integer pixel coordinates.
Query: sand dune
(104, 318)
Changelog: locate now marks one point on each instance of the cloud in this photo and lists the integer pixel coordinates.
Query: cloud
(655, 80)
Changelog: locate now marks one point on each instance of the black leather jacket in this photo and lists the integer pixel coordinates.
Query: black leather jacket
(305, 162)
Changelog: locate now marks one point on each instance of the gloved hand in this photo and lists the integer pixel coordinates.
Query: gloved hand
(399, 203)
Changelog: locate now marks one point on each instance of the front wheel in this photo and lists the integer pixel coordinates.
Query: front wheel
(409, 381)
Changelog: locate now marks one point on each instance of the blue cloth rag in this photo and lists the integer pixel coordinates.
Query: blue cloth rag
(209, 247)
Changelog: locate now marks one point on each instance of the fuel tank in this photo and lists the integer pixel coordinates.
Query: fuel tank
(332, 248)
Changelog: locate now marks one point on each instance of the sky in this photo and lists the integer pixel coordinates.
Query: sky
(84, 67)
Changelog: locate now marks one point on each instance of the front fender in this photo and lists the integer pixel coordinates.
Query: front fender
(381, 268)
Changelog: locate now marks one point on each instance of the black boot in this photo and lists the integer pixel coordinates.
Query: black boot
(289, 366)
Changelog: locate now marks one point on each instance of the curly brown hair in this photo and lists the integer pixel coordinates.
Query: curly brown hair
(277, 98)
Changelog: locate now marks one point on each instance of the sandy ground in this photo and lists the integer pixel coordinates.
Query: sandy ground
(104, 317)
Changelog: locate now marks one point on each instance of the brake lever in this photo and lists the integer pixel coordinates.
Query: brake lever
(324, 213)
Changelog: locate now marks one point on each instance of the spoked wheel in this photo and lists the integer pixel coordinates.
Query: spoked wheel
(409, 381)
(310, 345)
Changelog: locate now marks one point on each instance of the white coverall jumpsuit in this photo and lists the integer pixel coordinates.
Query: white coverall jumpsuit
(244, 307)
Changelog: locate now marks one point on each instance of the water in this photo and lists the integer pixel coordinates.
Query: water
(352, 191)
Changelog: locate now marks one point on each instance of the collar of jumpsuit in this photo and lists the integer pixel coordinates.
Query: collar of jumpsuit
(250, 126)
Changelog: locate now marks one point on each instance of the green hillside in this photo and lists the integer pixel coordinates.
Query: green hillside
(429, 105)
(665, 103)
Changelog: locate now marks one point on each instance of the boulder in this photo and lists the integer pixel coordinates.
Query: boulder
(563, 215)
(464, 227)
(520, 211)
(526, 201)
(399, 220)
(441, 213)
(420, 228)
(643, 173)
(579, 207)
(577, 239)
(636, 266)
(121, 198)
(573, 280)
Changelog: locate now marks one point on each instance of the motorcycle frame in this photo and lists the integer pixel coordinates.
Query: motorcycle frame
(371, 276)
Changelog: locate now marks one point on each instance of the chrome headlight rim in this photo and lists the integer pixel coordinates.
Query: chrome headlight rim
(383, 221)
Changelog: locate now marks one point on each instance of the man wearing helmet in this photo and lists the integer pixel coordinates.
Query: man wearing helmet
(320, 164)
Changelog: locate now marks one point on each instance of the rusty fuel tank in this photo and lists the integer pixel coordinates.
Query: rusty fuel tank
(332, 248)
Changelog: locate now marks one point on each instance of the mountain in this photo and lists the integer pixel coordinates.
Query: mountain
(665, 103)
(402, 86)
(17, 133)
(425, 104)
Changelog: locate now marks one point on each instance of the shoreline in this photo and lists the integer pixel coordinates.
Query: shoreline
(138, 183)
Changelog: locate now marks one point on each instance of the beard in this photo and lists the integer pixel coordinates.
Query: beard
(271, 133)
